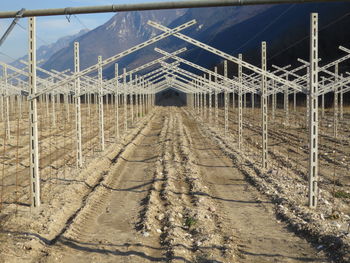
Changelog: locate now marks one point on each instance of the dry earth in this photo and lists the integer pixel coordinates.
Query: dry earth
(172, 190)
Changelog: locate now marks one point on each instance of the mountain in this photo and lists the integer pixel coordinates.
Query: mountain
(233, 30)
(286, 29)
(122, 31)
(45, 52)
(125, 30)
(210, 22)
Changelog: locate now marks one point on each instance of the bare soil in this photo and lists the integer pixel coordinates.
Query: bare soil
(173, 189)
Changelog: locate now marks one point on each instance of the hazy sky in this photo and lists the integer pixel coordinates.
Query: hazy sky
(49, 29)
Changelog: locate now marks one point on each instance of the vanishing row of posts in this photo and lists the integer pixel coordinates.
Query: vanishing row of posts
(139, 92)
(197, 101)
(136, 93)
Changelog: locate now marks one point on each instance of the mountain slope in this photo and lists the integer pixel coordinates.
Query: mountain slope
(122, 31)
(230, 29)
(45, 52)
(285, 28)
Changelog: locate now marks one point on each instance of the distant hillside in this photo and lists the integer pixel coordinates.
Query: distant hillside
(122, 31)
(285, 28)
(231, 29)
(45, 52)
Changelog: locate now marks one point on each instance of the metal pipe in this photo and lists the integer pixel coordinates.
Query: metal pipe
(150, 6)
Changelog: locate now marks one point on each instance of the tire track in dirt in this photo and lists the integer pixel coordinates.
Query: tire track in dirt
(100, 230)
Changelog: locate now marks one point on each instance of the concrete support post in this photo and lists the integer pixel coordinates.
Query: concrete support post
(341, 93)
(336, 110)
(194, 102)
(7, 105)
(205, 106)
(88, 104)
(308, 99)
(79, 153)
(141, 96)
(226, 99)
(20, 106)
(216, 99)
(33, 119)
(125, 102)
(294, 101)
(100, 105)
(274, 100)
(245, 100)
(240, 113)
(286, 104)
(203, 103)
(47, 98)
(53, 102)
(143, 100)
(131, 96)
(137, 114)
(116, 70)
(66, 103)
(322, 101)
(313, 125)
(200, 101)
(273, 108)
(2, 106)
(233, 101)
(210, 102)
(264, 106)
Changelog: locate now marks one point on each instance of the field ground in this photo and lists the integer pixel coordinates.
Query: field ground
(174, 188)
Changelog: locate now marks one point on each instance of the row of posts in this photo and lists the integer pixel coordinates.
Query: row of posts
(197, 101)
(138, 90)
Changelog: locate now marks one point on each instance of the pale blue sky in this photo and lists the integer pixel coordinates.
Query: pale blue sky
(49, 29)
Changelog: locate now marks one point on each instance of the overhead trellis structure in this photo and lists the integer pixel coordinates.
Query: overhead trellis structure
(129, 95)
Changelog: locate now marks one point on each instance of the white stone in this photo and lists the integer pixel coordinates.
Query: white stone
(160, 217)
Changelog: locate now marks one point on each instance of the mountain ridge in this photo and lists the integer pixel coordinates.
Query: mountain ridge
(231, 29)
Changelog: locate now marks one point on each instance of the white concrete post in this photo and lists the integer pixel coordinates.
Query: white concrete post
(131, 96)
(286, 104)
(33, 119)
(2, 105)
(313, 121)
(79, 153)
(216, 99)
(226, 99)
(240, 114)
(125, 102)
(341, 93)
(294, 101)
(308, 99)
(264, 106)
(336, 94)
(322, 102)
(7, 106)
(116, 70)
(53, 102)
(341, 101)
(210, 102)
(100, 105)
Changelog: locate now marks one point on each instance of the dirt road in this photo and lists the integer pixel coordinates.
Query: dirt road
(173, 196)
